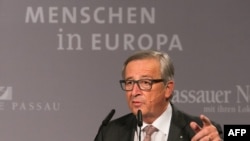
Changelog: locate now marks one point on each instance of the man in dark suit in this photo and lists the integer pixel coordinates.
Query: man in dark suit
(148, 80)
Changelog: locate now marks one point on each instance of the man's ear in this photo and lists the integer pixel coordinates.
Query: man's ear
(169, 89)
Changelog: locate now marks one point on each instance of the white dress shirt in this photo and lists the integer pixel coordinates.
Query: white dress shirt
(162, 123)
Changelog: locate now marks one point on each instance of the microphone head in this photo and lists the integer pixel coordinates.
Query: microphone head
(108, 118)
(139, 118)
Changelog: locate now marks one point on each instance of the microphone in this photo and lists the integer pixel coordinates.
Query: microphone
(105, 122)
(139, 118)
(139, 122)
(108, 118)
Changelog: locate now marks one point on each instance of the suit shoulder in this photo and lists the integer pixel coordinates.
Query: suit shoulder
(120, 127)
(124, 120)
(184, 115)
(189, 118)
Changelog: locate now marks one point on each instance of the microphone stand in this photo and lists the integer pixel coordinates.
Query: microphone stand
(105, 122)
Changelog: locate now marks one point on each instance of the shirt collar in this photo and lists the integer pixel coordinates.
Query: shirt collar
(165, 118)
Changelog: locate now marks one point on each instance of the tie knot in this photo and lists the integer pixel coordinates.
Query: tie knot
(150, 130)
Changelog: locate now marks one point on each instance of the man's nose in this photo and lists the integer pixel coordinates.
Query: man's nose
(136, 89)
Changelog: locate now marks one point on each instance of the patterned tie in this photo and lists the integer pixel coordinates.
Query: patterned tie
(149, 131)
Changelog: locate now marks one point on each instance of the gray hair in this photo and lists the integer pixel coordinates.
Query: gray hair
(167, 67)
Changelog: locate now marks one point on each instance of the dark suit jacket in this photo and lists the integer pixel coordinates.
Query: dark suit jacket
(123, 128)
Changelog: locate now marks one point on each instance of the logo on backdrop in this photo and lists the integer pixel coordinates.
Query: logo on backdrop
(5, 93)
(7, 103)
(236, 100)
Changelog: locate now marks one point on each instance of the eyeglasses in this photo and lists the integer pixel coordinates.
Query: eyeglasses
(143, 84)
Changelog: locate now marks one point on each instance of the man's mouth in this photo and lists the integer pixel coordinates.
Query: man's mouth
(136, 103)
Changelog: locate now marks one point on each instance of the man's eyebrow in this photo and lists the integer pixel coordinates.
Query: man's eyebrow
(143, 77)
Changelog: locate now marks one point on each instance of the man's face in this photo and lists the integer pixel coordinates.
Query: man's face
(152, 102)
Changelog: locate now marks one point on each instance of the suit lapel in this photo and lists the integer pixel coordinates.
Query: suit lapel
(128, 132)
(177, 125)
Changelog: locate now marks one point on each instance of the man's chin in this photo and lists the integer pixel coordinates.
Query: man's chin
(135, 110)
